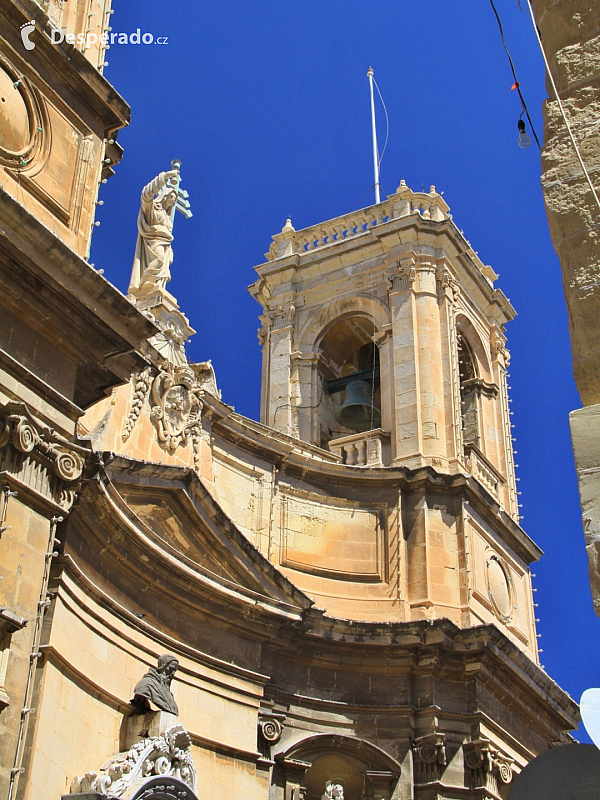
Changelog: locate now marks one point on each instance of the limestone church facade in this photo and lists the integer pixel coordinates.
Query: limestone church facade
(343, 589)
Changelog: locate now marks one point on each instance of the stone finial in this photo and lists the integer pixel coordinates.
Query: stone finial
(402, 186)
(154, 689)
(432, 189)
(288, 227)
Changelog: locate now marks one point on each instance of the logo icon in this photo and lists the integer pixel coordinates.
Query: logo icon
(26, 30)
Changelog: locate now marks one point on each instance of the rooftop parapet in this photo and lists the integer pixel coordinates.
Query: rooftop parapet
(404, 203)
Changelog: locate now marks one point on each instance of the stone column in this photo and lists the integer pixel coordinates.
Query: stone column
(571, 37)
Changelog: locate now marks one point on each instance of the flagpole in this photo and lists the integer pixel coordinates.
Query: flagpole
(375, 152)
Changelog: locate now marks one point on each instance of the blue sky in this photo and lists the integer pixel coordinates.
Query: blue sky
(267, 106)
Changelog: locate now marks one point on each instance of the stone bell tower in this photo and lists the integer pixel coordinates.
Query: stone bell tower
(388, 313)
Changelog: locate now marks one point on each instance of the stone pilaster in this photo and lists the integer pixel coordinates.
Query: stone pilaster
(281, 342)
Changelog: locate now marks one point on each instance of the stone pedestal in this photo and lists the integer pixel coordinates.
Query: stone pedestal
(162, 309)
(146, 726)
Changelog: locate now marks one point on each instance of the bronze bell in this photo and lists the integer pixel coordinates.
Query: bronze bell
(358, 411)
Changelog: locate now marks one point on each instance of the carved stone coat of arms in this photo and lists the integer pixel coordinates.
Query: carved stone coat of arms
(175, 405)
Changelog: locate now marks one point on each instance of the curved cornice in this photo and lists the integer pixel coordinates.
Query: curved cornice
(105, 519)
(299, 459)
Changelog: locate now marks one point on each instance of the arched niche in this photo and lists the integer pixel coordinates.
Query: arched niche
(364, 770)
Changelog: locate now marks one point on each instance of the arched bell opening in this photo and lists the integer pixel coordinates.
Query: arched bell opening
(469, 394)
(349, 378)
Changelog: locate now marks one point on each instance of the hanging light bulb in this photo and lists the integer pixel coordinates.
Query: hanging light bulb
(524, 139)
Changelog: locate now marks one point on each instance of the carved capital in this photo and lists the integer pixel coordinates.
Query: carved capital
(271, 726)
(499, 351)
(447, 284)
(403, 278)
(485, 767)
(34, 441)
(429, 757)
(282, 317)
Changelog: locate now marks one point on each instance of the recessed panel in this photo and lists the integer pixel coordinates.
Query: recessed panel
(331, 537)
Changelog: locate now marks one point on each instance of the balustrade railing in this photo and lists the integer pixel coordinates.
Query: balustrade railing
(430, 205)
(483, 470)
(366, 449)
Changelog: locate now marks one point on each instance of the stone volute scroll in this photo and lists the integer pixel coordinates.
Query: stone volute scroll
(270, 730)
(153, 690)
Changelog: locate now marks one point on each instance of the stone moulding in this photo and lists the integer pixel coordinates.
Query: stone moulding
(167, 755)
(39, 456)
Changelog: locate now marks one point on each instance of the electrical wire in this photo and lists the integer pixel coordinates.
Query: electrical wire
(560, 105)
(517, 85)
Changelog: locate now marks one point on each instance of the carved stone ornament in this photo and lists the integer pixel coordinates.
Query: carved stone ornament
(486, 767)
(205, 375)
(141, 388)
(270, 729)
(45, 446)
(167, 755)
(176, 406)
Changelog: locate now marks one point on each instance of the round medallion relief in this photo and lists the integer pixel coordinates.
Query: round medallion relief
(25, 135)
(500, 587)
(14, 117)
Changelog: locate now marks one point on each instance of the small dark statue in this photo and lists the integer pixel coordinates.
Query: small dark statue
(154, 689)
